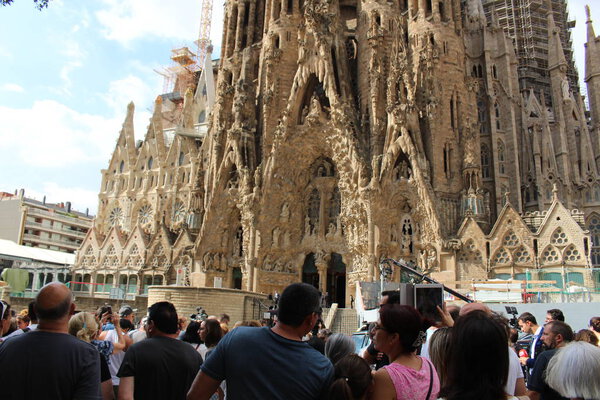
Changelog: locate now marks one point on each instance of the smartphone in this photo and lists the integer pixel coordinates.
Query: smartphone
(427, 298)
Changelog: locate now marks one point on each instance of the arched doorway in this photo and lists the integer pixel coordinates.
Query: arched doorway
(310, 274)
(237, 277)
(336, 280)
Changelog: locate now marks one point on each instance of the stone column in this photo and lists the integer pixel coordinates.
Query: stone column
(250, 27)
(322, 268)
(422, 8)
(435, 10)
(239, 31)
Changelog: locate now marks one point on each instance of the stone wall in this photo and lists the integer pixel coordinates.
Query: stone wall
(91, 304)
(239, 304)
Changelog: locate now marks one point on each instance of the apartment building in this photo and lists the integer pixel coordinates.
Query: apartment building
(35, 223)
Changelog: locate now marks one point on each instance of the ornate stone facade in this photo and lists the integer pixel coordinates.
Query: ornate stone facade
(344, 132)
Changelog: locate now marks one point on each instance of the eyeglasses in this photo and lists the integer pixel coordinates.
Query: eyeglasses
(377, 327)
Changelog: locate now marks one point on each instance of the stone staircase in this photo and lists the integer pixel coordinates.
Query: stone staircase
(341, 320)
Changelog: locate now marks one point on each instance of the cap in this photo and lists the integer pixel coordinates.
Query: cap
(125, 311)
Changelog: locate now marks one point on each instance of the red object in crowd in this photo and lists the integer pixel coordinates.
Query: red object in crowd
(523, 353)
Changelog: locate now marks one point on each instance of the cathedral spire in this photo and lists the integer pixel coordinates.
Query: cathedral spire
(156, 126)
(495, 22)
(475, 15)
(127, 136)
(592, 74)
(592, 50)
(556, 54)
(591, 35)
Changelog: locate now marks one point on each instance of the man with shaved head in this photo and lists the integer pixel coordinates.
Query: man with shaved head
(48, 363)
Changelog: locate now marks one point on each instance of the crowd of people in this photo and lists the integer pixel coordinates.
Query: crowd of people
(468, 353)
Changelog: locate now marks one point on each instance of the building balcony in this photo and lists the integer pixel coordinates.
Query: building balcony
(72, 220)
(55, 229)
(71, 245)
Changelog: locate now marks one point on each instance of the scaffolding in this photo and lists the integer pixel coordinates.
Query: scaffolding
(186, 66)
(526, 23)
(181, 74)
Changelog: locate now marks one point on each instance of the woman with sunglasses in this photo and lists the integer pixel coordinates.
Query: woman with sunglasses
(398, 333)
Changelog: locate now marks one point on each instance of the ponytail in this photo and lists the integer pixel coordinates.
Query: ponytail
(352, 379)
(340, 390)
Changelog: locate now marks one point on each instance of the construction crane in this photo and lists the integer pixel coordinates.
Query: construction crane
(203, 41)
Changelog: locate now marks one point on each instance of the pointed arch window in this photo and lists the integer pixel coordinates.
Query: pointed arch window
(594, 228)
(470, 254)
(314, 205)
(571, 254)
(511, 239)
(502, 256)
(150, 162)
(485, 161)
(559, 238)
(121, 166)
(181, 158)
(335, 206)
(501, 157)
(550, 256)
(522, 256)
(497, 112)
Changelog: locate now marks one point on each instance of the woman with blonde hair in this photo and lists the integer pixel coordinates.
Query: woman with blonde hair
(84, 326)
(439, 351)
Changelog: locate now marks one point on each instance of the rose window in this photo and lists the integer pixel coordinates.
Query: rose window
(178, 212)
(511, 240)
(145, 214)
(116, 216)
(559, 237)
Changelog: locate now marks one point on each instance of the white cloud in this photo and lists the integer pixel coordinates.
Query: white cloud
(4, 53)
(131, 88)
(12, 87)
(50, 134)
(74, 55)
(175, 19)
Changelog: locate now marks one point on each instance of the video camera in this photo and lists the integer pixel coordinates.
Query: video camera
(200, 315)
(513, 321)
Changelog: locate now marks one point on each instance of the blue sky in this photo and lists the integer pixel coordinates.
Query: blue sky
(68, 72)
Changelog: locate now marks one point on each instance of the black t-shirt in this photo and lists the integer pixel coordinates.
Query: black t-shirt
(46, 365)
(163, 368)
(104, 371)
(536, 381)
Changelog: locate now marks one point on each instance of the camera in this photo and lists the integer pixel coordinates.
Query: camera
(512, 311)
(200, 315)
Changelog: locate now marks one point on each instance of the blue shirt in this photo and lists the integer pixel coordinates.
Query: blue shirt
(259, 364)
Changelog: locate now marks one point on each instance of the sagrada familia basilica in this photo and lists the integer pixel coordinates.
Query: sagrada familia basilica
(333, 133)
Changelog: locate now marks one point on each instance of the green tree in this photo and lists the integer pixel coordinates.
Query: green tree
(39, 4)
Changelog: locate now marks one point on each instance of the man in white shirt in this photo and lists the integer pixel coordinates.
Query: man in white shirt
(529, 325)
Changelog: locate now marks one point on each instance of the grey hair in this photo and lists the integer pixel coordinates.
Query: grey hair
(338, 346)
(574, 370)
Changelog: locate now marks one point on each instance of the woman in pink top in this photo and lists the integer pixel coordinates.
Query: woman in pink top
(398, 333)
